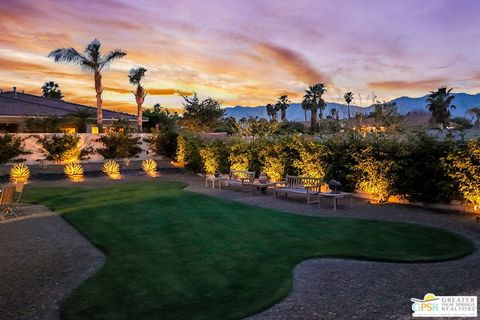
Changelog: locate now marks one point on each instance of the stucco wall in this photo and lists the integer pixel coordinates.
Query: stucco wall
(86, 140)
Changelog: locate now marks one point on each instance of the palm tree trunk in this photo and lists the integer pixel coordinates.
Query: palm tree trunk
(305, 113)
(139, 117)
(348, 108)
(99, 90)
(313, 119)
(283, 114)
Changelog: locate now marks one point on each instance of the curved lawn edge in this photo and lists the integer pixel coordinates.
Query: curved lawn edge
(284, 286)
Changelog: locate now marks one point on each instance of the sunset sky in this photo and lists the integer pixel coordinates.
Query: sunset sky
(246, 52)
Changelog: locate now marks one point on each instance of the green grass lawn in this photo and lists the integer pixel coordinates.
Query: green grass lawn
(174, 254)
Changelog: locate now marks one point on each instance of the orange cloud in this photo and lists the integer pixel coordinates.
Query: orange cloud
(153, 92)
(292, 62)
(407, 85)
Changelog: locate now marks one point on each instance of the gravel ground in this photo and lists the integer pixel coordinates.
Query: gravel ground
(42, 259)
(322, 289)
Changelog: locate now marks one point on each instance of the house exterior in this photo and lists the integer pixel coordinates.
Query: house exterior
(16, 107)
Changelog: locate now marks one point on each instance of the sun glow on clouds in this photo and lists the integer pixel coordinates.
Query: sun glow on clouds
(244, 52)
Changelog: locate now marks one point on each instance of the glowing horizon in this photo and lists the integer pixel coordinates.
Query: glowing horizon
(245, 53)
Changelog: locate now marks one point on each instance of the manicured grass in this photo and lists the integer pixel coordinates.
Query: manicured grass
(173, 254)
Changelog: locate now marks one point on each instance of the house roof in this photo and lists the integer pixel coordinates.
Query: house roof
(18, 104)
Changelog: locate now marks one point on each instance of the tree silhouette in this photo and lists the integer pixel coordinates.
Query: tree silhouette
(475, 112)
(439, 104)
(312, 100)
(52, 90)
(282, 105)
(348, 99)
(135, 77)
(82, 117)
(271, 111)
(91, 60)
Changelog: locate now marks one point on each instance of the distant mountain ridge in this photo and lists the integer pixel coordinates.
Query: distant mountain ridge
(462, 101)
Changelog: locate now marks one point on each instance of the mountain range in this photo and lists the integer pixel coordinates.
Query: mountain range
(463, 102)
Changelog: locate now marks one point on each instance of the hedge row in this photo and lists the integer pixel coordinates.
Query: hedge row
(417, 168)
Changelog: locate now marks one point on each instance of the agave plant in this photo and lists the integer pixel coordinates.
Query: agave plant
(74, 171)
(111, 169)
(19, 173)
(150, 167)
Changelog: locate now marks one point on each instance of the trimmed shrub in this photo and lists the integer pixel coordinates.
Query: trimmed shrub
(63, 148)
(119, 144)
(463, 166)
(11, 148)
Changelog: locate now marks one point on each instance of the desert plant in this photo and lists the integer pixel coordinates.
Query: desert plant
(111, 169)
(74, 171)
(19, 173)
(93, 61)
(149, 166)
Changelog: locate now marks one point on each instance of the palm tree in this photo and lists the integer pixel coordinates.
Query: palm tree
(135, 77)
(282, 105)
(305, 108)
(348, 99)
(90, 60)
(312, 100)
(439, 104)
(82, 117)
(475, 112)
(51, 90)
(271, 111)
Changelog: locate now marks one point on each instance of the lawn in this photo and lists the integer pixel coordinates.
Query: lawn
(174, 254)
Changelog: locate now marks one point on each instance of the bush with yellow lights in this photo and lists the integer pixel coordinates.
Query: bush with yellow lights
(19, 173)
(111, 169)
(418, 167)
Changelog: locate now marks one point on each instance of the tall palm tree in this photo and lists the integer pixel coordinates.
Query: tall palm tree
(305, 107)
(51, 90)
(439, 104)
(271, 111)
(82, 117)
(348, 99)
(475, 112)
(93, 61)
(135, 77)
(282, 105)
(312, 100)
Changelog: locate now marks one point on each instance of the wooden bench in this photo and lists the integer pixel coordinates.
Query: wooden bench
(300, 185)
(238, 178)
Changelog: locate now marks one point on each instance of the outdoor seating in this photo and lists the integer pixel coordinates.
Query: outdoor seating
(7, 202)
(300, 185)
(239, 178)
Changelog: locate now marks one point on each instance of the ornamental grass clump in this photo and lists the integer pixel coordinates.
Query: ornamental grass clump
(149, 166)
(74, 172)
(19, 173)
(111, 169)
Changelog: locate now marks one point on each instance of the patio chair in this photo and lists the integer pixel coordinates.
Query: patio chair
(7, 202)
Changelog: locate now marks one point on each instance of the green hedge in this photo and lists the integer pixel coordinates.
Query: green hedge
(417, 167)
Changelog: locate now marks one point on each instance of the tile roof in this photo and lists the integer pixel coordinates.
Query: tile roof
(27, 105)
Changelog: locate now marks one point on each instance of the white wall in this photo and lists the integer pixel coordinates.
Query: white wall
(86, 140)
